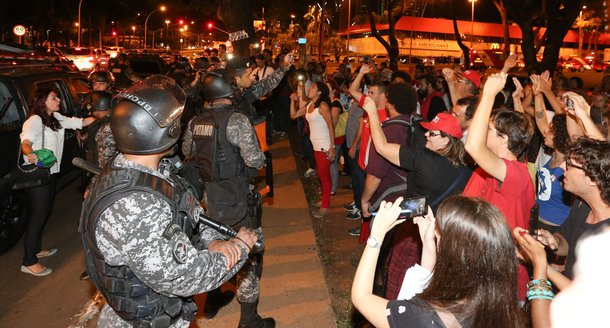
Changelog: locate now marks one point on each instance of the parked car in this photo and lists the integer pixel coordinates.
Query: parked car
(18, 81)
(88, 59)
(378, 59)
(575, 64)
(145, 65)
(404, 59)
(114, 51)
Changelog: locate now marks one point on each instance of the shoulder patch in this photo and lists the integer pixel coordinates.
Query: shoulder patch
(171, 230)
(179, 251)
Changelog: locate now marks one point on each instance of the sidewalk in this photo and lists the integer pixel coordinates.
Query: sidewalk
(293, 288)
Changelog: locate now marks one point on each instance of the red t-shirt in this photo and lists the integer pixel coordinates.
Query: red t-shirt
(514, 198)
(365, 139)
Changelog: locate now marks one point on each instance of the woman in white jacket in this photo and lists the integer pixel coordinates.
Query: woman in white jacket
(44, 126)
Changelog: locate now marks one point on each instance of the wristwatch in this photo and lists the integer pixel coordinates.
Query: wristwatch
(373, 242)
(332, 146)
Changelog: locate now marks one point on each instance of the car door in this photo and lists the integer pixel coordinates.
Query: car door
(11, 120)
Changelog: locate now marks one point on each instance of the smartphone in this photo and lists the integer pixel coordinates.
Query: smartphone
(534, 219)
(568, 103)
(412, 207)
(366, 59)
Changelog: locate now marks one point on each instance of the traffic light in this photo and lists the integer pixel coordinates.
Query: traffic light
(113, 33)
(181, 22)
(210, 26)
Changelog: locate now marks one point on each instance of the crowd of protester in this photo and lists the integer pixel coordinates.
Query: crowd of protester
(505, 162)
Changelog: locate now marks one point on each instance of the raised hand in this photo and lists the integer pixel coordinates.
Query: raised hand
(518, 89)
(494, 84)
(386, 217)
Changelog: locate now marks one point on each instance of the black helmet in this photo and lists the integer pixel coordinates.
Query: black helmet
(219, 83)
(97, 101)
(239, 63)
(100, 76)
(147, 118)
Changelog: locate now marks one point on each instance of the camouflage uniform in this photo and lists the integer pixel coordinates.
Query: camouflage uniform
(259, 89)
(106, 147)
(241, 134)
(130, 233)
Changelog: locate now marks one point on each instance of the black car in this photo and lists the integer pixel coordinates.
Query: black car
(145, 65)
(18, 81)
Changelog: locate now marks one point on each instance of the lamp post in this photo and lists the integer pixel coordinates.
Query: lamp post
(162, 8)
(580, 36)
(472, 23)
(349, 24)
(133, 28)
(80, 3)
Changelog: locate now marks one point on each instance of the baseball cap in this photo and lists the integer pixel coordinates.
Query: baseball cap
(239, 63)
(473, 76)
(444, 122)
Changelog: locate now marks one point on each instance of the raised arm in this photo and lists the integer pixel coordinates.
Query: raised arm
(546, 86)
(451, 79)
(266, 85)
(518, 95)
(296, 110)
(372, 306)
(476, 144)
(509, 63)
(354, 88)
(389, 151)
(539, 108)
(582, 112)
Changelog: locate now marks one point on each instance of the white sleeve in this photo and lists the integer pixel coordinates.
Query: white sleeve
(69, 122)
(416, 280)
(32, 129)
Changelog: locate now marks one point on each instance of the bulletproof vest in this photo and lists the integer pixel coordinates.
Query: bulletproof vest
(120, 76)
(92, 130)
(128, 296)
(216, 158)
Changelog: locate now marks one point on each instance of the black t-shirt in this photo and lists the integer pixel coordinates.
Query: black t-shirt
(413, 313)
(437, 105)
(431, 174)
(574, 228)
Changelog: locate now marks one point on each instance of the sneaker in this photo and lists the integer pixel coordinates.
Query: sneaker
(354, 232)
(351, 207)
(353, 215)
(310, 173)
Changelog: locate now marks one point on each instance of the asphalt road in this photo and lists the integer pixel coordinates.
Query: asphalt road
(51, 301)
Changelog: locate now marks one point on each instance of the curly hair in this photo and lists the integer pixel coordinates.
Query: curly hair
(561, 138)
(517, 128)
(402, 96)
(594, 157)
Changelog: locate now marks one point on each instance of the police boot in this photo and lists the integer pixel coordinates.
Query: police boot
(249, 317)
(215, 301)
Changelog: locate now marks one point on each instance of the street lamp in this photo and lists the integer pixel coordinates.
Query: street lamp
(580, 36)
(162, 8)
(472, 23)
(80, 2)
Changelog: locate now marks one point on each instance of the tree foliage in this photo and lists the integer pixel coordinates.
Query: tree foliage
(556, 15)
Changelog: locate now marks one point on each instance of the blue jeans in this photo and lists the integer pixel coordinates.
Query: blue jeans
(358, 176)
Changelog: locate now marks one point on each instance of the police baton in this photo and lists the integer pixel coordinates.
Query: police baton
(222, 228)
(86, 165)
(226, 230)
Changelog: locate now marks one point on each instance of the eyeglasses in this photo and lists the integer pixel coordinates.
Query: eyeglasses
(569, 164)
(496, 131)
(462, 80)
(434, 134)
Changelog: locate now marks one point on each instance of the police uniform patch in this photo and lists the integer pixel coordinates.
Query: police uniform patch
(179, 251)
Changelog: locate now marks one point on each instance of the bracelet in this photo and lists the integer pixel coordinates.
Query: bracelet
(533, 294)
(541, 283)
(246, 244)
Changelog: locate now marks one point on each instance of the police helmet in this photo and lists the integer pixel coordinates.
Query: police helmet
(100, 76)
(218, 84)
(147, 118)
(97, 101)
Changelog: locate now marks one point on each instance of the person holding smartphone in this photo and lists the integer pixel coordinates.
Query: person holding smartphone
(437, 169)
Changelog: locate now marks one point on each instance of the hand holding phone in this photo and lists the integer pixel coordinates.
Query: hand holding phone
(412, 207)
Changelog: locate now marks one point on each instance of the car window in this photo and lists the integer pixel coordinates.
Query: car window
(9, 112)
(78, 51)
(145, 67)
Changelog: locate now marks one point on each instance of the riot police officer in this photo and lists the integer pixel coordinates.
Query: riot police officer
(124, 76)
(145, 251)
(223, 144)
(100, 142)
(101, 81)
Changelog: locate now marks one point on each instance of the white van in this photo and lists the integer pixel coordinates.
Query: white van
(114, 51)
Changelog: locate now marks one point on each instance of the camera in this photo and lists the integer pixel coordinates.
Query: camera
(412, 207)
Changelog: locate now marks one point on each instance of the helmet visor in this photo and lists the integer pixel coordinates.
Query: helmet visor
(158, 91)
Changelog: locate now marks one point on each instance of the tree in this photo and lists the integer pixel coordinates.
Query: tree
(530, 15)
(502, 10)
(393, 14)
(584, 21)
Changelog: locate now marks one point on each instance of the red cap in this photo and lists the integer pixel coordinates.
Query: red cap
(473, 76)
(444, 122)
